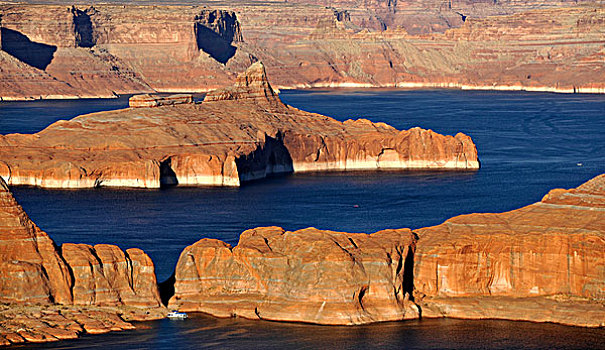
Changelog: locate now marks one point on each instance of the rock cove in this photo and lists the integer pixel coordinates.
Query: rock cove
(237, 134)
(541, 263)
(58, 51)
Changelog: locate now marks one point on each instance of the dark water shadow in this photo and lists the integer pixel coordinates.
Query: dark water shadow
(18, 45)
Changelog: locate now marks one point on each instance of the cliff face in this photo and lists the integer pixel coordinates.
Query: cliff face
(308, 275)
(540, 263)
(237, 134)
(552, 248)
(32, 268)
(66, 51)
(35, 271)
(50, 293)
(101, 51)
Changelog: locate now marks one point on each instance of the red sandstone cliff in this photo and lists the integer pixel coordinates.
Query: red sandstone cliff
(305, 276)
(37, 275)
(32, 268)
(554, 249)
(53, 51)
(540, 263)
(543, 263)
(237, 134)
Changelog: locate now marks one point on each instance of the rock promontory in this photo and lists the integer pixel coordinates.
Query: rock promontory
(237, 134)
(49, 293)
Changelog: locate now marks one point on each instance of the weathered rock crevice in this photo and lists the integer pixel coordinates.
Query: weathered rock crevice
(83, 27)
(269, 158)
(215, 32)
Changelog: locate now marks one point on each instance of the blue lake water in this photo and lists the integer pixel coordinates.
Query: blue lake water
(528, 143)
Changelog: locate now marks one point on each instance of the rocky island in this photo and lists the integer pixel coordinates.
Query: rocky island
(541, 263)
(237, 134)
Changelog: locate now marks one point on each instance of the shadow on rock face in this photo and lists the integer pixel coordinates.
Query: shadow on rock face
(214, 44)
(18, 45)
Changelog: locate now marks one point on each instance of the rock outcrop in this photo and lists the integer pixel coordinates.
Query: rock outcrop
(251, 85)
(50, 293)
(148, 100)
(237, 134)
(542, 263)
(32, 270)
(308, 275)
(59, 51)
(104, 275)
(549, 251)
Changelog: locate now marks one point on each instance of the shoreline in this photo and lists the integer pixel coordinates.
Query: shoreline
(393, 87)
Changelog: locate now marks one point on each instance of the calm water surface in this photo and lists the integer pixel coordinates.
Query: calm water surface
(528, 144)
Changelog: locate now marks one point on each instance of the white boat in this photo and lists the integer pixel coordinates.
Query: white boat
(177, 315)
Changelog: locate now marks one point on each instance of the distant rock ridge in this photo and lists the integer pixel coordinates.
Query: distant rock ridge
(58, 51)
(237, 134)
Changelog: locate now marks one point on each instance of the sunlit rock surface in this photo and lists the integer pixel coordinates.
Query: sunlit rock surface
(237, 134)
(553, 249)
(48, 293)
(308, 275)
(60, 51)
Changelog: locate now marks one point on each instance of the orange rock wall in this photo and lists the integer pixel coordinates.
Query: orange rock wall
(556, 246)
(33, 270)
(305, 276)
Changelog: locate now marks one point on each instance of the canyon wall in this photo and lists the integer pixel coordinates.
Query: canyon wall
(69, 283)
(553, 249)
(308, 275)
(543, 263)
(55, 51)
(237, 134)
(36, 271)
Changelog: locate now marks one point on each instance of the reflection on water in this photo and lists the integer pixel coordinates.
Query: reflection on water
(528, 144)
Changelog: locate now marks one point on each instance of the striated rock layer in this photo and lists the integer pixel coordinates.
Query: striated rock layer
(542, 263)
(553, 249)
(308, 275)
(59, 51)
(237, 134)
(36, 271)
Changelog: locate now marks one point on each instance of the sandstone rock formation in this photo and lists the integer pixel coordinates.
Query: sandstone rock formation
(31, 267)
(551, 249)
(50, 293)
(59, 51)
(237, 134)
(148, 100)
(542, 263)
(306, 276)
